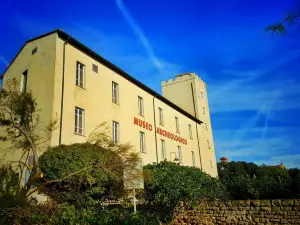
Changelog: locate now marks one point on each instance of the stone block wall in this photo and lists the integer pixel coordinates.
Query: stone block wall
(247, 212)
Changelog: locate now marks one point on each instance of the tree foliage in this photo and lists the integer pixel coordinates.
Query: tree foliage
(20, 117)
(249, 181)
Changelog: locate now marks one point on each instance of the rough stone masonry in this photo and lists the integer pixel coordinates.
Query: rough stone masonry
(247, 212)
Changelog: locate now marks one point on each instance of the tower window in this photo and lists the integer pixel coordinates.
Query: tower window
(24, 81)
(34, 51)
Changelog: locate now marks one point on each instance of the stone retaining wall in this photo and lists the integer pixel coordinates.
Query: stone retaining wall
(247, 212)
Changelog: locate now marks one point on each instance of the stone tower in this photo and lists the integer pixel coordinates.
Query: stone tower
(189, 92)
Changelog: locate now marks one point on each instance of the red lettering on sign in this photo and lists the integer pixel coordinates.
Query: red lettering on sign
(135, 120)
(150, 127)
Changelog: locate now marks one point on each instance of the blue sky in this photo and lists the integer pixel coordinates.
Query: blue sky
(252, 78)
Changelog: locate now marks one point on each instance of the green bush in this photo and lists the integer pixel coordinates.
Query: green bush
(168, 183)
(61, 161)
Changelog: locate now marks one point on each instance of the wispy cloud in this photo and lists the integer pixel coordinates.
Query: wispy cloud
(139, 32)
(290, 160)
(4, 61)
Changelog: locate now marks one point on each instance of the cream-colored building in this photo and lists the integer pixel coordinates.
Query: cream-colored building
(81, 89)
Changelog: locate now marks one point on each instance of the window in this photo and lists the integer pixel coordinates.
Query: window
(161, 116)
(80, 70)
(34, 51)
(116, 132)
(201, 94)
(141, 106)
(95, 68)
(115, 93)
(211, 164)
(177, 125)
(24, 81)
(142, 142)
(203, 110)
(79, 121)
(193, 158)
(208, 144)
(206, 126)
(179, 154)
(190, 130)
(163, 150)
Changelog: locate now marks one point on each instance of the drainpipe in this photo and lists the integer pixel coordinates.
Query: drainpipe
(62, 90)
(196, 126)
(155, 128)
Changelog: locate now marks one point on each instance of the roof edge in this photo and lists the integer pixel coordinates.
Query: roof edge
(64, 36)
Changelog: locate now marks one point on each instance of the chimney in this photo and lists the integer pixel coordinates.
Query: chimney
(223, 159)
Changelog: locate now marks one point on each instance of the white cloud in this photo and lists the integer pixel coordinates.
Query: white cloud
(290, 161)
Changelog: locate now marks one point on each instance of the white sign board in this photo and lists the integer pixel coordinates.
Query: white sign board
(133, 179)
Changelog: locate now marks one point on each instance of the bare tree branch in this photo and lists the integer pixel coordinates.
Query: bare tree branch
(280, 27)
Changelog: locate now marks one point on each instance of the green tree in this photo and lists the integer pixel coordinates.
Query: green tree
(166, 184)
(20, 118)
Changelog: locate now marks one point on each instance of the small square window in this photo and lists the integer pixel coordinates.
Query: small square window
(34, 51)
(95, 68)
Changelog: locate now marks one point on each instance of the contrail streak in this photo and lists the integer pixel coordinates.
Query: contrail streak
(139, 32)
